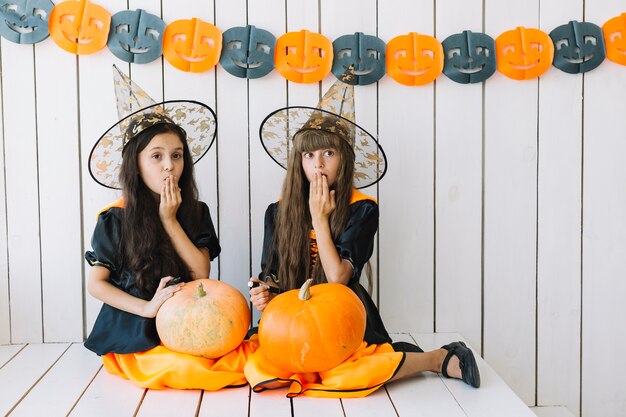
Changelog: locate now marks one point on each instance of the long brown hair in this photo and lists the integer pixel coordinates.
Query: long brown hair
(145, 246)
(294, 218)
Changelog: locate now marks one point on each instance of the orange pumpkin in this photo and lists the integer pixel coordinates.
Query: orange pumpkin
(312, 330)
(206, 318)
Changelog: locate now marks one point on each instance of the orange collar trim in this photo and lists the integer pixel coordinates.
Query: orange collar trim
(359, 196)
(119, 203)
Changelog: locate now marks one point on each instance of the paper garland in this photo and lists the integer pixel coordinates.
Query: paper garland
(136, 36)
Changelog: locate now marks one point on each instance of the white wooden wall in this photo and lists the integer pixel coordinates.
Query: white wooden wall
(502, 213)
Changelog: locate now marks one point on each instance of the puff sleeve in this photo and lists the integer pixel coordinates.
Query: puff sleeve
(356, 243)
(206, 236)
(105, 241)
(268, 241)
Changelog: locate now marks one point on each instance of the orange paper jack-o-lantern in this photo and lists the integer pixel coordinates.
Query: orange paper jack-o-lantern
(79, 26)
(524, 53)
(192, 45)
(414, 59)
(303, 57)
(615, 39)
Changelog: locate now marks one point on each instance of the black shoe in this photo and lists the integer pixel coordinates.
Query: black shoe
(469, 369)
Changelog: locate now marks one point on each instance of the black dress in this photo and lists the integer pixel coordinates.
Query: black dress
(356, 245)
(115, 330)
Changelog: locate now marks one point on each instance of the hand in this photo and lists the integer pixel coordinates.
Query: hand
(162, 294)
(260, 296)
(171, 199)
(321, 199)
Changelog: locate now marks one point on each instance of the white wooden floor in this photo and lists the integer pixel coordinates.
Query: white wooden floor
(60, 379)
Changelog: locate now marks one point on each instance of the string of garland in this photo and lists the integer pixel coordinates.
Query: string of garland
(193, 45)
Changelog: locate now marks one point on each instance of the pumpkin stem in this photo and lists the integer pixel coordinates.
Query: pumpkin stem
(305, 290)
(200, 291)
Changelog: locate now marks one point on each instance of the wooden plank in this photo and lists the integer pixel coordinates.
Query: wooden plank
(493, 399)
(347, 18)
(22, 188)
(200, 87)
(24, 371)
(60, 207)
(96, 101)
(109, 395)
(458, 187)
(559, 223)
(406, 231)
(266, 95)
(270, 403)
(603, 233)
(233, 172)
(551, 412)
(149, 76)
(510, 207)
(302, 14)
(5, 316)
(226, 402)
(8, 352)
(423, 395)
(62, 385)
(315, 407)
(170, 402)
(374, 405)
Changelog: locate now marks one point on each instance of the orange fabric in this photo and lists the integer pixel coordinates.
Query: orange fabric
(117, 203)
(359, 375)
(359, 196)
(160, 368)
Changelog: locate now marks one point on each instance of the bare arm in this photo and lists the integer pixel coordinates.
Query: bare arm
(321, 205)
(197, 259)
(100, 287)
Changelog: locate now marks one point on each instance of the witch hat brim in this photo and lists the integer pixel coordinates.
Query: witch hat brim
(137, 112)
(334, 114)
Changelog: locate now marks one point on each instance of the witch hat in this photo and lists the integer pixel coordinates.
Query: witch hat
(137, 111)
(334, 114)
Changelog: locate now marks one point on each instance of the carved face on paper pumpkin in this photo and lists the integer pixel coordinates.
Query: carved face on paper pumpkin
(79, 26)
(578, 47)
(136, 36)
(192, 45)
(524, 53)
(414, 59)
(365, 53)
(469, 57)
(303, 57)
(248, 52)
(25, 21)
(615, 39)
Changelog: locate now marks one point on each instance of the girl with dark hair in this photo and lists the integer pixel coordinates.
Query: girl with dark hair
(156, 231)
(323, 229)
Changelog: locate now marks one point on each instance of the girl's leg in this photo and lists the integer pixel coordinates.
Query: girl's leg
(416, 363)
